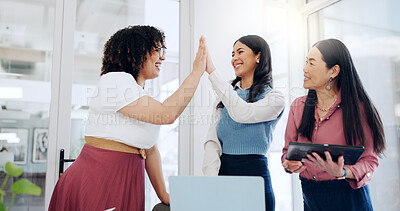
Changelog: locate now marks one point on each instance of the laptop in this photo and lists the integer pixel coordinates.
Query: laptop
(219, 193)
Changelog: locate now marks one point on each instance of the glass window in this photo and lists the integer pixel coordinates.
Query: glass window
(372, 34)
(26, 44)
(276, 36)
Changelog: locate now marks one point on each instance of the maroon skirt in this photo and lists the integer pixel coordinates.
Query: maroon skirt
(101, 179)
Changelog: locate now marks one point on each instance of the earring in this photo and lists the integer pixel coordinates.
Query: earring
(329, 84)
(258, 61)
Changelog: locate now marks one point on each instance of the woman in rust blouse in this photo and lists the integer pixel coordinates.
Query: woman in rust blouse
(337, 110)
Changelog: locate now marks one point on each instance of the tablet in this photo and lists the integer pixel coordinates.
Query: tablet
(297, 151)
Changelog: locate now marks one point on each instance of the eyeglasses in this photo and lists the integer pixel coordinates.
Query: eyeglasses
(161, 51)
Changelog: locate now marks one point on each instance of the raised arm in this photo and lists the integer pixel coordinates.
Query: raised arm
(149, 110)
(239, 110)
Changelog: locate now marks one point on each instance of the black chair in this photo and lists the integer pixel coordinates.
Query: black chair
(161, 207)
(62, 161)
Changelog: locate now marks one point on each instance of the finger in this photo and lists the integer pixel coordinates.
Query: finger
(319, 159)
(341, 161)
(299, 170)
(293, 164)
(204, 46)
(202, 49)
(201, 43)
(328, 157)
(296, 168)
(311, 158)
(305, 160)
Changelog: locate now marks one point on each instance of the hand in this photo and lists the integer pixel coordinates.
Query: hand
(164, 198)
(293, 166)
(199, 64)
(332, 168)
(209, 64)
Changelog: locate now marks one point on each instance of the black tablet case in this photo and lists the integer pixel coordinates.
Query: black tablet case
(298, 150)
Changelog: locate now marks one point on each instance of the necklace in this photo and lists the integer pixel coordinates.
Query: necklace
(327, 109)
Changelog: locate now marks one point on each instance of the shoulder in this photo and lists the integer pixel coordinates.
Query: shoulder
(117, 78)
(271, 92)
(298, 103)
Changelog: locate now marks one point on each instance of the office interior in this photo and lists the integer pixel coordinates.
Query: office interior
(50, 60)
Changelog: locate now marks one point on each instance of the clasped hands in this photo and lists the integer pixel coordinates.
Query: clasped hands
(333, 168)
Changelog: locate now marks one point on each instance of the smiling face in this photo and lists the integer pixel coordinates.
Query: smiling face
(244, 61)
(151, 66)
(316, 73)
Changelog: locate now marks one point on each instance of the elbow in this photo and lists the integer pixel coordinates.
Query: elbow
(169, 122)
(168, 119)
(239, 119)
(280, 104)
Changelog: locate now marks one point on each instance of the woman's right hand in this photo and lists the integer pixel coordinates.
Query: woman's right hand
(199, 64)
(293, 166)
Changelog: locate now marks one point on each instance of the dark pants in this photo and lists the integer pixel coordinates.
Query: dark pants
(249, 165)
(334, 195)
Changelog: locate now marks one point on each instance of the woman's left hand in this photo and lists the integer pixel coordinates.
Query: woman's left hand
(164, 198)
(209, 64)
(328, 165)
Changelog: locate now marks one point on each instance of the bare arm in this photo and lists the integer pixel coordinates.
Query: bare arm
(154, 171)
(147, 109)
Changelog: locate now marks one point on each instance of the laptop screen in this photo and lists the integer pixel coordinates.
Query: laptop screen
(233, 193)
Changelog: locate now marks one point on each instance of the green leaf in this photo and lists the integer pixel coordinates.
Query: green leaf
(2, 192)
(24, 186)
(13, 169)
(2, 207)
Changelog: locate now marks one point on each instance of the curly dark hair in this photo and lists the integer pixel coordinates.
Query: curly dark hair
(126, 50)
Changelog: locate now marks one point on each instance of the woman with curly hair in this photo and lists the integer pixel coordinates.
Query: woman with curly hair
(123, 125)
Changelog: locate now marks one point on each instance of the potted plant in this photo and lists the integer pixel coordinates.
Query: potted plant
(22, 186)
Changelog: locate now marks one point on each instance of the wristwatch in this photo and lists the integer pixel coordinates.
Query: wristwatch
(344, 175)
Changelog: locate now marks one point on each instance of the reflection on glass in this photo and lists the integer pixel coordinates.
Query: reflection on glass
(372, 34)
(26, 43)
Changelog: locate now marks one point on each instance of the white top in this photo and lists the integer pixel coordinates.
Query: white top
(114, 91)
(239, 110)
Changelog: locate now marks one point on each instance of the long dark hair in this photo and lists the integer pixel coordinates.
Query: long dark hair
(334, 52)
(126, 50)
(263, 72)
